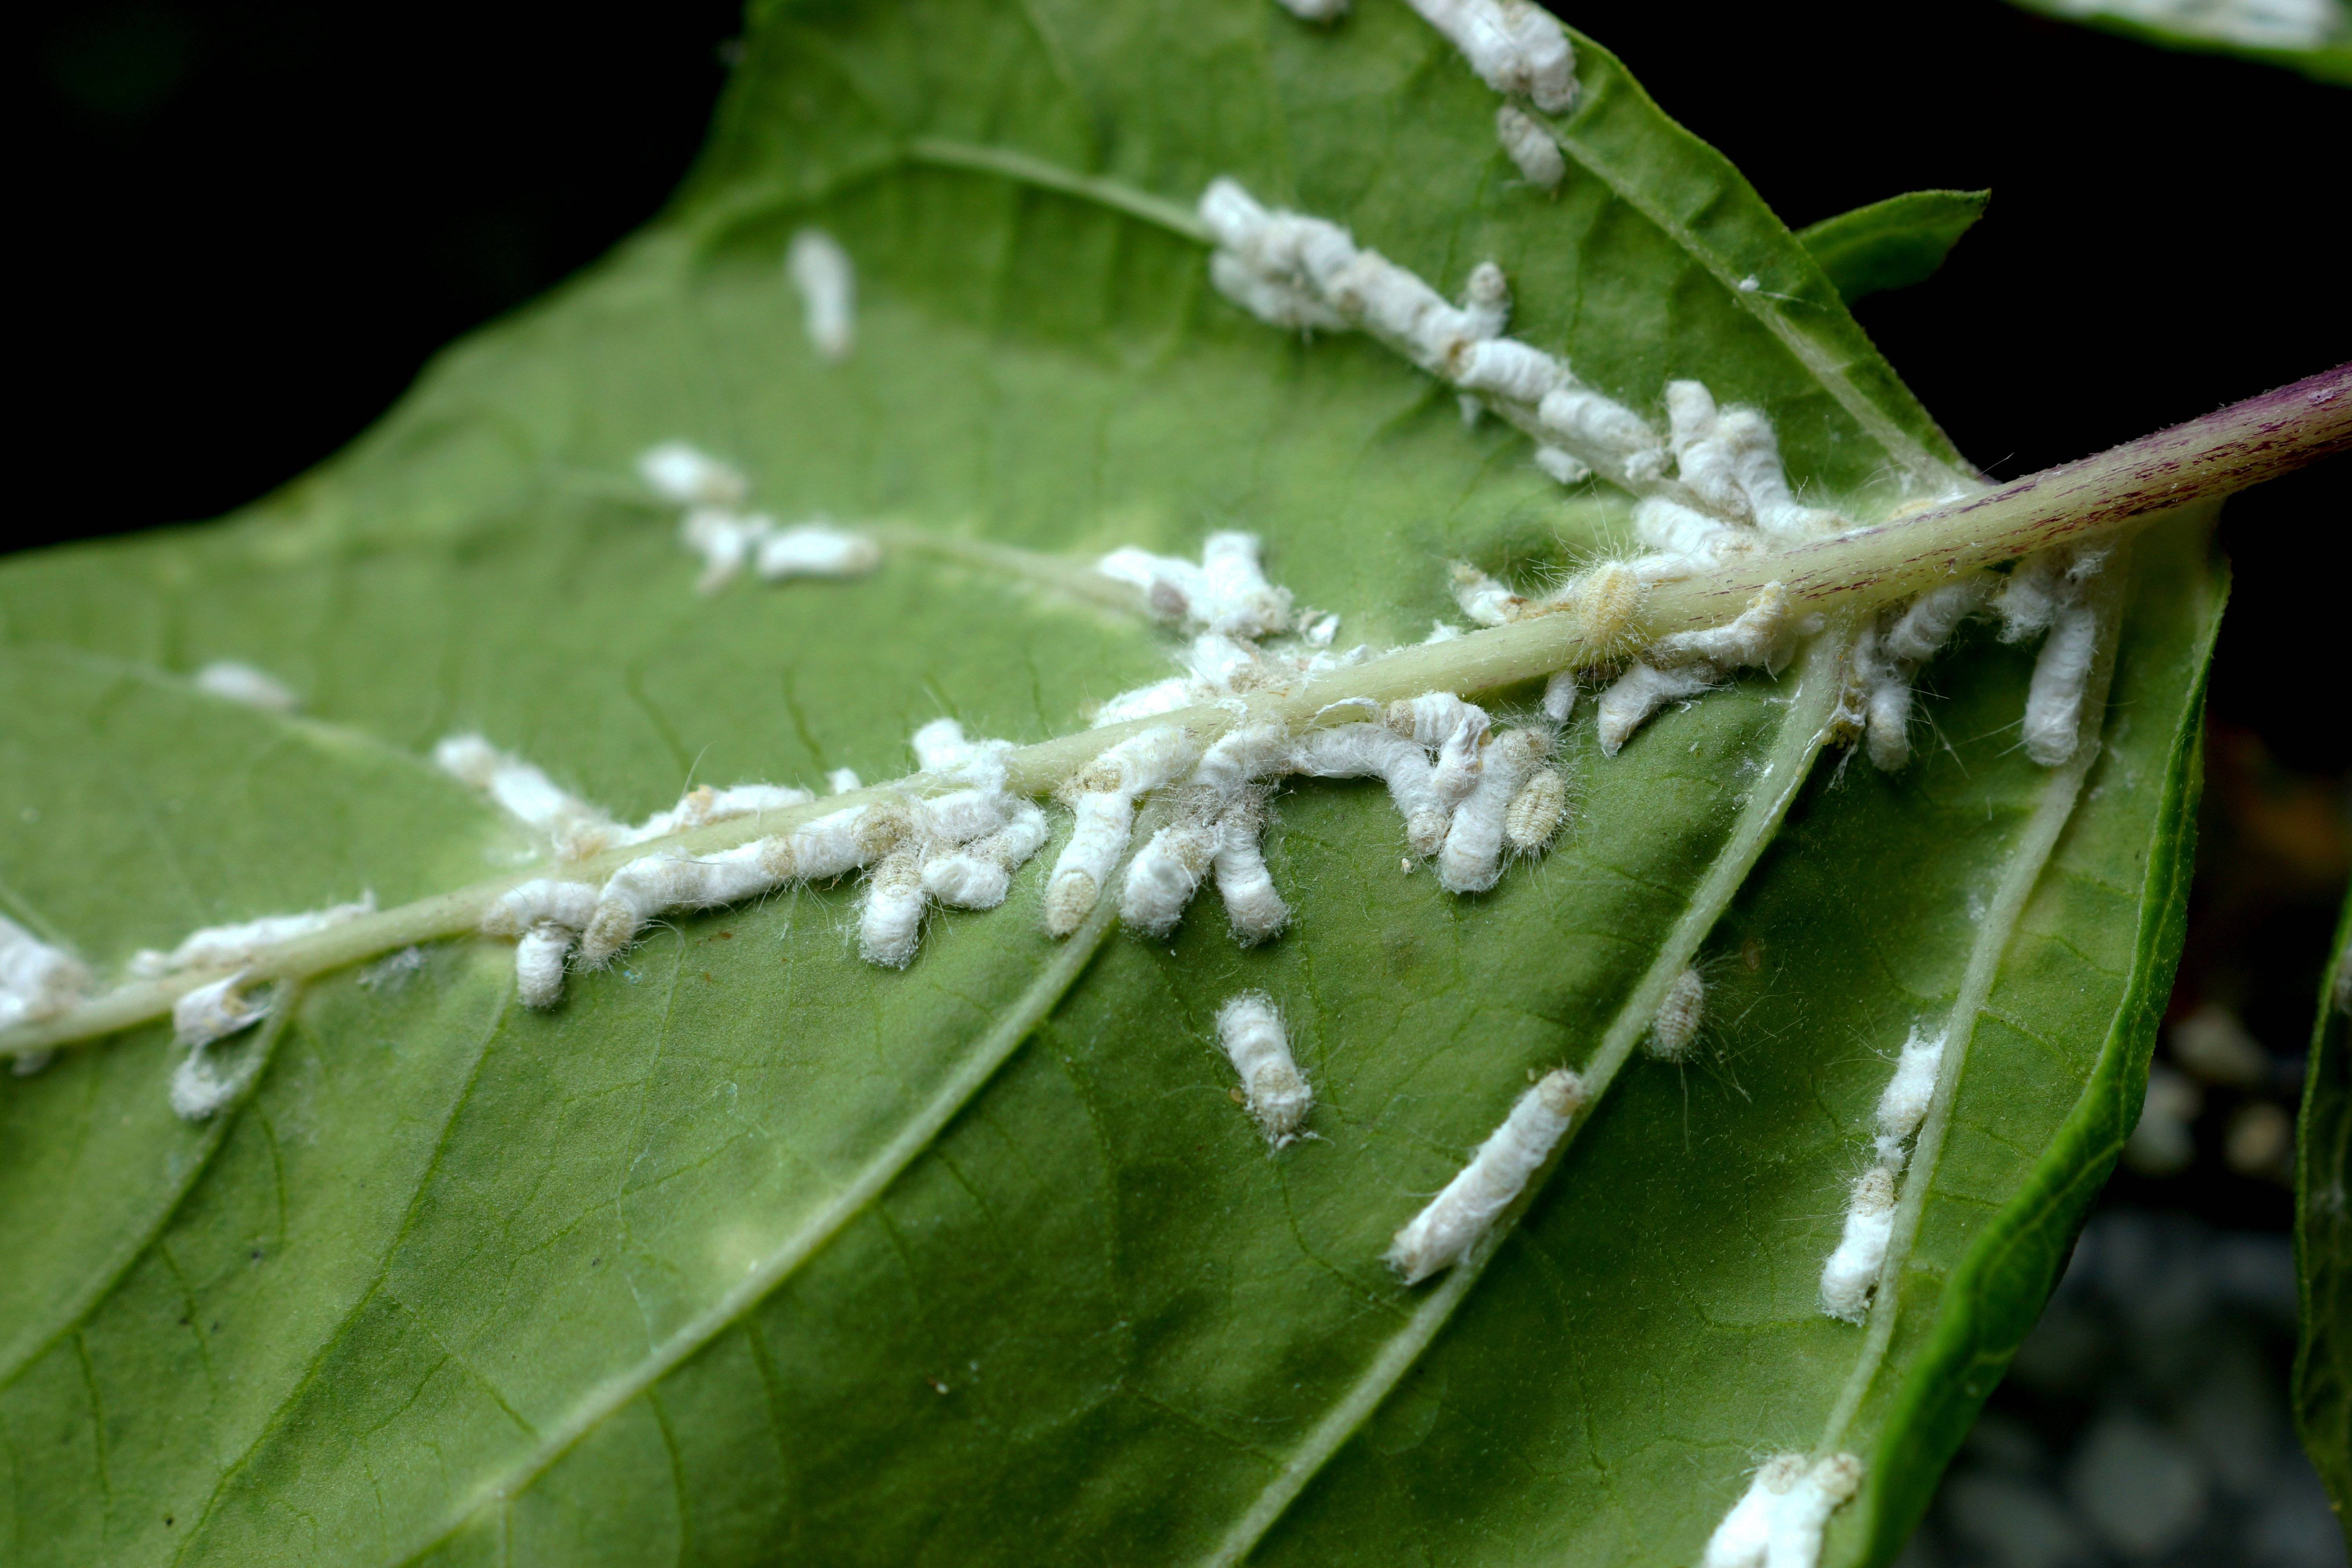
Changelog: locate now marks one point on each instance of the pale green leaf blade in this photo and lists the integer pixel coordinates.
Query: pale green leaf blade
(751, 1248)
(2312, 36)
(2323, 1232)
(1892, 243)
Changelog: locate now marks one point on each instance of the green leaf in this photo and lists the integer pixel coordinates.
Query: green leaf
(752, 1249)
(2313, 39)
(1892, 243)
(2322, 1233)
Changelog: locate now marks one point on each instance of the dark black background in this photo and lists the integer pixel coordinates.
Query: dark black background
(250, 221)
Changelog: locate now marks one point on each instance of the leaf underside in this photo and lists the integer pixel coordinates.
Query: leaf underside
(1892, 243)
(750, 1250)
(2252, 32)
(2323, 1233)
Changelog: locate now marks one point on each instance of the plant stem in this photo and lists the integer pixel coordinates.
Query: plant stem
(1846, 575)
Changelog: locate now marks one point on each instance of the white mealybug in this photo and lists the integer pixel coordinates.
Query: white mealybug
(1375, 751)
(1560, 696)
(539, 963)
(1779, 1521)
(1887, 654)
(1227, 593)
(723, 539)
(1509, 369)
(226, 677)
(1485, 303)
(1165, 872)
(2053, 702)
(1252, 1034)
(1102, 793)
(519, 907)
(978, 875)
(821, 270)
(1471, 860)
(1757, 636)
(36, 979)
(207, 1013)
(1703, 461)
(702, 806)
(1514, 45)
(1903, 1104)
(1457, 1217)
(814, 549)
(231, 946)
(677, 472)
(1530, 146)
(1680, 1012)
(1455, 728)
(891, 923)
(217, 1011)
(941, 747)
(1852, 1272)
(652, 884)
(1753, 452)
(1485, 600)
(1680, 531)
(1563, 466)
(577, 828)
(1254, 907)
(1641, 692)
(1578, 417)
(1276, 301)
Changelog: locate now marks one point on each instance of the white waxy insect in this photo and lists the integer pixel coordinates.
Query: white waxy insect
(1606, 601)
(1485, 303)
(677, 472)
(1251, 1031)
(1780, 1520)
(207, 1013)
(1316, 10)
(1903, 1105)
(1241, 602)
(815, 550)
(1703, 460)
(2053, 702)
(1536, 813)
(834, 845)
(702, 807)
(226, 677)
(1680, 1012)
(941, 747)
(1165, 872)
(1754, 454)
(1276, 301)
(1565, 467)
(1375, 751)
(1560, 696)
(1472, 858)
(38, 980)
(215, 1011)
(1103, 794)
(1586, 423)
(724, 540)
(1928, 622)
(1514, 46)
(1852, 1272)
(979, 875)
(2029, 596)
(523, 792)
(1455, 728)
(1677, 529)
(1641, 692)
(1530, 146)
(890, 921)
(1509, 369)
(1253, 906)
(1484, 599)
(539, 963)
(1240, 757)
(821, 270)
(1440, 1236)
(567, 903)
(652, 884)
(1755, 636)
(233, 946)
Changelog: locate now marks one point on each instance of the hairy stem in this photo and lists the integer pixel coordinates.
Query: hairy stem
(2227, 450)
